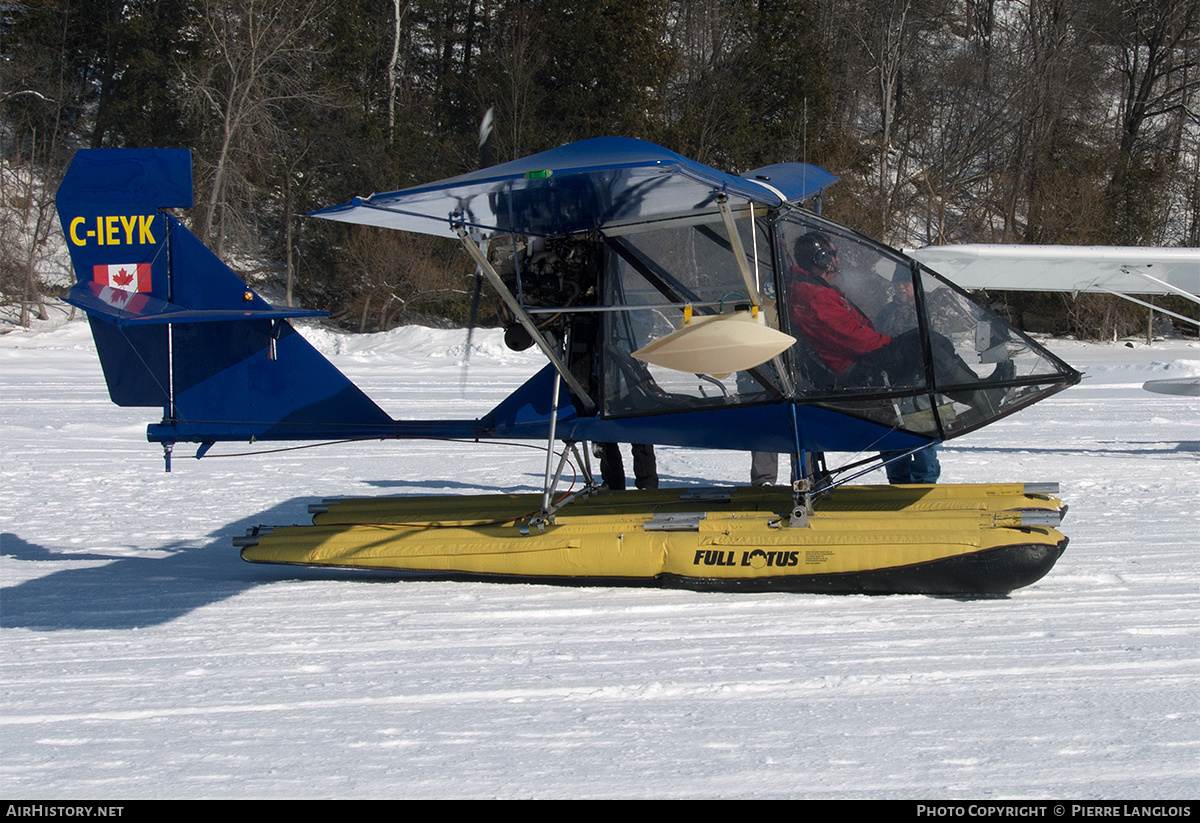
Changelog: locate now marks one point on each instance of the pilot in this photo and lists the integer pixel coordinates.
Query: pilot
(820, 312)
(848, 343)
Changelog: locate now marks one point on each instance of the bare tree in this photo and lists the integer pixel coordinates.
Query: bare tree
(257, 58)
(399, 9)
(42, 88)
(707, 93)
(881, 46)
(28, 223)
(509, 66)
(1158, 56)
(888, 44)
(389, 276)
(1156, 52)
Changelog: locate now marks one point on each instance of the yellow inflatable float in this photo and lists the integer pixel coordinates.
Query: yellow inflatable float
(941, 539)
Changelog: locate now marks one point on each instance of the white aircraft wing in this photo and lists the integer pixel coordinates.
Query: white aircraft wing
(1122, 271)
(1112, 269)
(1119, 270)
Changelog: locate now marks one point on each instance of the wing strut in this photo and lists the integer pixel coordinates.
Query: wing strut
(1164, 284)
(1158, 309)
(1184, 293)
(739, 253)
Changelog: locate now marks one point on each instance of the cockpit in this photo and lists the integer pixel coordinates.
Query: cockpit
(873, 334)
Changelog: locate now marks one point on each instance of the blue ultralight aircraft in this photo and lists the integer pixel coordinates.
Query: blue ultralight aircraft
(675, 305)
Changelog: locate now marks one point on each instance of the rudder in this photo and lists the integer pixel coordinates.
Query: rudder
(177, 328)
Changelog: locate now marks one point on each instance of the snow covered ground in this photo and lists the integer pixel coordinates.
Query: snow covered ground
(142, 658)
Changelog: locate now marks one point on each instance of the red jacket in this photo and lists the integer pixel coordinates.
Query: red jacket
(837, 331)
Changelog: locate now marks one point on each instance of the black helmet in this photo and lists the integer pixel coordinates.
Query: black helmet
(815, 250)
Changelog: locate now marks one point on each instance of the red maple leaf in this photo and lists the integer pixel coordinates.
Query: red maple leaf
(122, 278)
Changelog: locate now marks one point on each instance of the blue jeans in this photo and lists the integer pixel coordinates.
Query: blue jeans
(920, 467)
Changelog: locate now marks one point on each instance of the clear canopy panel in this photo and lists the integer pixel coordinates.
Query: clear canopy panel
(883, 338)
(876, 335)
(655, 274)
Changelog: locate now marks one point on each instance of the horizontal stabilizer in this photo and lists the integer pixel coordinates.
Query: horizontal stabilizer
(126, 308)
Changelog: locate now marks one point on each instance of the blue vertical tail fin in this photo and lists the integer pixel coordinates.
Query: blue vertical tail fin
(177, 328)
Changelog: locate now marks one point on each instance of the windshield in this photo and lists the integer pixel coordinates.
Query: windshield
(875, 334)
(655, 274)
(881, 337)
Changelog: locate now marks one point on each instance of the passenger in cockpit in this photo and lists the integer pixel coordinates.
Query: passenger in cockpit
(899, 315)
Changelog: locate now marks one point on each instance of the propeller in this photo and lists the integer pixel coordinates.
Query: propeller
(486, 125)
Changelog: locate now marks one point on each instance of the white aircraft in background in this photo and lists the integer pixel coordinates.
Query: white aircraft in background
(1123, 271)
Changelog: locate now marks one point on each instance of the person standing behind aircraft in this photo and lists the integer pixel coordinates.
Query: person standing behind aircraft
(612, 467)
(897, 317)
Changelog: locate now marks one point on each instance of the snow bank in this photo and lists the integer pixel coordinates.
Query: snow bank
(142, 658)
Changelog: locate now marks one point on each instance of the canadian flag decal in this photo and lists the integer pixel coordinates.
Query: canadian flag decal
(124, 276)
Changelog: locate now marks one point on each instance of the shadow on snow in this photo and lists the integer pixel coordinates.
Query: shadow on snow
(135, 592)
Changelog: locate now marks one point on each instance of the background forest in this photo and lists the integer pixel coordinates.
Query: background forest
(1013, 121)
